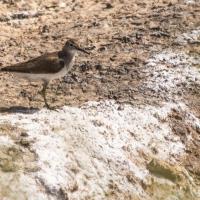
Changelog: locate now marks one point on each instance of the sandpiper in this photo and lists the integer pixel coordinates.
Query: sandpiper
(47, 67)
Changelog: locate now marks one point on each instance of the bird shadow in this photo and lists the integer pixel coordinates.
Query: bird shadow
(18, 109)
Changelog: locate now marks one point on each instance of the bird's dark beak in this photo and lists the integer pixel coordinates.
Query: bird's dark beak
(82, 50)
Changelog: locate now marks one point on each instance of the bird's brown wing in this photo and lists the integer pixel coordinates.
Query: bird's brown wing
(48, 63)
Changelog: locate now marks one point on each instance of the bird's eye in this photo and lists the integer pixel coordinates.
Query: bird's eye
(71, 45)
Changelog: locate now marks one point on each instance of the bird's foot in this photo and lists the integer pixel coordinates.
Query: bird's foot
(47, 106)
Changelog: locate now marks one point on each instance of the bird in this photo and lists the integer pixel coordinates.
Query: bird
(48, 66)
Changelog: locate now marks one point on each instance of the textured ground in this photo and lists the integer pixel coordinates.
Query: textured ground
(142, 140)
(122, 36)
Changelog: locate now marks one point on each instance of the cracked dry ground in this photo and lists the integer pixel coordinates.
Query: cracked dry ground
(122, 36)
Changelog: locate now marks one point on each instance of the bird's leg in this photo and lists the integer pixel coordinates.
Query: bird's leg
(43, 93)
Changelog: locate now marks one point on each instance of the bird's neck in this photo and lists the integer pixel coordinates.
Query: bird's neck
(67, 56)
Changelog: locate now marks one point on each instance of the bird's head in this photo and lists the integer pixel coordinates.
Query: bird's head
(73, 47)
